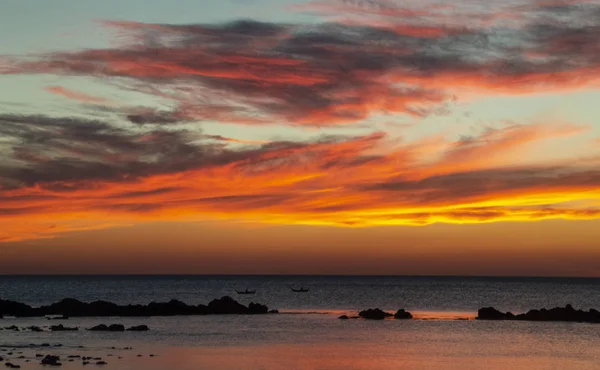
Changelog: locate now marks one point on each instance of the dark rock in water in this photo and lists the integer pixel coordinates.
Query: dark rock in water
(151, 355)
(139, 328)
(226, 306)
(116, 327)
(1, 358)
(103, 327)
(344, 317)
(567, 313)
(402, 315)
(36, 329)
(45, 345)
(10, 365)
(257, 309)
(51, 360)
(85, 363)
(273, 311)
(73, 356)
(70, 360)
(39, 355)
(62, 328)
(490, 313)
(374, 314)
(101, 363)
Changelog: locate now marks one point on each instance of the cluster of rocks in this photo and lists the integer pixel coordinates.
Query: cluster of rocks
(70, 307)
(119, 327)
(567, 313)
(377, 314)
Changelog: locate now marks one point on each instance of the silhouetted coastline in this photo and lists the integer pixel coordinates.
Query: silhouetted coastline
(70, 307)
(567, 313)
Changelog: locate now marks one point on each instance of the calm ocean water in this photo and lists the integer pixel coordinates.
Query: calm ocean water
(305, 340)
(326, 292)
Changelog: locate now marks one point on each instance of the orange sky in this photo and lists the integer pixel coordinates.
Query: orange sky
(325, 137)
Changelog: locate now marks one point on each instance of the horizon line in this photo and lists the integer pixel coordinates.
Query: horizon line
(2, 275)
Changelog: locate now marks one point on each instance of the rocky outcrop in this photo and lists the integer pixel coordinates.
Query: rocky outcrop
(103, 327)
(374, 314)
(61, 327)
(51, 361)
(139, 328)
(70, 307)
(567, 313)
(402, 315)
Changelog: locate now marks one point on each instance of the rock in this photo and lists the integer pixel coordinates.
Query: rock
(490, 313)
(139, 355)
(45, 345)
(374, 314)
(226, 306)
(12, 366)
(257, 309)
(1, 358)
(567, 313)
(101, 363)
(103, 327)
(51, 360)
(344, 317)
(273, 311)
(36, 329)
(73, 356)
(39, 355)
(85, 363)
(62, 328)
(116, 327)
(139, 328)
(402, 315)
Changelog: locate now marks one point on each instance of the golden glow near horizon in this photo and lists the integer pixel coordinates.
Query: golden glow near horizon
(372, 114)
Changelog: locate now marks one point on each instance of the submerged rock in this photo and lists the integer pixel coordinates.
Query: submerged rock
(374, 314)
(402, 315)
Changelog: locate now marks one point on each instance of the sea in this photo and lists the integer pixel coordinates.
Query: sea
(306, 334)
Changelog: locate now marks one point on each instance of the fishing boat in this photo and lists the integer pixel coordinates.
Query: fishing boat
(301, 290)
(245, 291)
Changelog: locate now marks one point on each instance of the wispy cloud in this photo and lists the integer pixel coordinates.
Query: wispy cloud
(368, 58)
(94, 170)
(76, 95)
(406, 60)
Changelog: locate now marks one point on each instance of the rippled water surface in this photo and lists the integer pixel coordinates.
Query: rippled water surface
(308, 335)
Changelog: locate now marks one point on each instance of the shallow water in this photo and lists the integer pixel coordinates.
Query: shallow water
(308, 335)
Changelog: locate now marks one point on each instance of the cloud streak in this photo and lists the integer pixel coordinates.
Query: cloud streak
(153, 163)
(398, 60)
(96, 170)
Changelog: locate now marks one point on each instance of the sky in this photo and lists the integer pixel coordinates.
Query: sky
(300, 137)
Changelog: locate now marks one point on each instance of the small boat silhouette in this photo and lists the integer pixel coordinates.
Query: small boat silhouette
(301, 290)
(245, 291)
